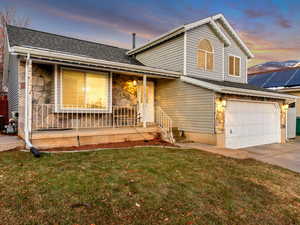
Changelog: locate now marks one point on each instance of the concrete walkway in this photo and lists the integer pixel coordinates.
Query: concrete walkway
(237, 154)
(10, 143)
(283, 155)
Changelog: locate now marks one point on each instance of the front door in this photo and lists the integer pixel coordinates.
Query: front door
(149, 101)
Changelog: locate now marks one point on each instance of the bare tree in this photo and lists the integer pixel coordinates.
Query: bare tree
(9, 16)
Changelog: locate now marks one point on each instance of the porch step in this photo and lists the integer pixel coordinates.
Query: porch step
(70, 138)
(177, 134)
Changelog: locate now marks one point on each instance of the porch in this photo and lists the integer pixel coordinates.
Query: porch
(76, 108)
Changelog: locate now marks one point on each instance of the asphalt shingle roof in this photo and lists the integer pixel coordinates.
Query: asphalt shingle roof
(25, 37)
(234, 85)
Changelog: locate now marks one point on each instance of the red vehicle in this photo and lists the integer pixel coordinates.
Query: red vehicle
(3, 110)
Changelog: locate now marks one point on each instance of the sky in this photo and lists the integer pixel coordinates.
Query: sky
(270, 28)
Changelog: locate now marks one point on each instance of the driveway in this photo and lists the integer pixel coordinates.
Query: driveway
(284, 155)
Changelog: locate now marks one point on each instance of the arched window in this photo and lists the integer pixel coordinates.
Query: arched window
(205, 55)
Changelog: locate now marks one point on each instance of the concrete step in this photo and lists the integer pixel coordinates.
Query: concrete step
(70, 138)
(177, 135)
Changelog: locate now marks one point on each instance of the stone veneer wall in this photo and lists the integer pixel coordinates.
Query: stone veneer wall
(123, 92)
(21, 105)
(42, 84)
(42, 89)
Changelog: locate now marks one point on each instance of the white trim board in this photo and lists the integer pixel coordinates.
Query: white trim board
(185, 54)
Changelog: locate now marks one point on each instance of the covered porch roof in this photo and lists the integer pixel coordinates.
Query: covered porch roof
(53, 57)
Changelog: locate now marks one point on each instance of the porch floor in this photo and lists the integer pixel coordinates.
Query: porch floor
(69, 138)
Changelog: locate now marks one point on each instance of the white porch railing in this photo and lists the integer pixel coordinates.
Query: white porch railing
(164, 122)
(50, 116)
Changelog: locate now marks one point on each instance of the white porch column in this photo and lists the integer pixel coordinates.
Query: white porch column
(144, 100)
(30, 96)
(28, 101)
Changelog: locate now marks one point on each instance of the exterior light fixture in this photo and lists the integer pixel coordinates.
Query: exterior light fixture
(285, 107)
(221, 105)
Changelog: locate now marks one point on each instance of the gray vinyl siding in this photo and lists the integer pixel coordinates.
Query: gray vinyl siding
(5, 64)
(190, 107)
(168, 55)
(13, 83)
(193, 37)
(234, 49)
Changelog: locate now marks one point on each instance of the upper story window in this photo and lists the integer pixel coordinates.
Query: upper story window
(205, 55)
(234, 65)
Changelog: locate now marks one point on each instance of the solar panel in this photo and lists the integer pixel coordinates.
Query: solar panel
(279, 78)
(295, 81)
(259, 79)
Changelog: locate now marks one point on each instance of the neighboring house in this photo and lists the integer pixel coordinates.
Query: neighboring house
(284, 81)
(193, 78)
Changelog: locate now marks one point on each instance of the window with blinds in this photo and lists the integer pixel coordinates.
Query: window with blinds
(84, 90)
(234, 65)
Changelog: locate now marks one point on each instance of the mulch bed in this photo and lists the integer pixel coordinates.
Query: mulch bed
(126, 144)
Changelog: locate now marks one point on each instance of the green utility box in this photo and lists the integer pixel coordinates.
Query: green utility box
(298, 126)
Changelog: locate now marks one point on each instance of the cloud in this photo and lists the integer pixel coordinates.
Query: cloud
(285, 23)
(113, 21)
(268, 10)
(254, 13)
(270, 50)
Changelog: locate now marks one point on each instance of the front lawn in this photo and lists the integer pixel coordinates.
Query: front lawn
(145, 186)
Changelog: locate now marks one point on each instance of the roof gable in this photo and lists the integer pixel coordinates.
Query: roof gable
(209, 20)
(25, 37)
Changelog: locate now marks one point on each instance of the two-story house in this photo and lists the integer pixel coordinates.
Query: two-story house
(71, 92)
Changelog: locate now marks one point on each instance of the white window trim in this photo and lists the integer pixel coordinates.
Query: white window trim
(205, 58)
(235, 56)
(59, 94)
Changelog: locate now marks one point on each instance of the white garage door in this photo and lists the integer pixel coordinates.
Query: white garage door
(251, 123)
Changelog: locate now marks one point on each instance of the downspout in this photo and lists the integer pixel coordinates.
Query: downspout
(27, 123)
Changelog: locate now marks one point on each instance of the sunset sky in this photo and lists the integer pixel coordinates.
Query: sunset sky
(271, 28)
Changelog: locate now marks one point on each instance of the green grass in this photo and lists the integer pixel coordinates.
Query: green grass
(145, 186)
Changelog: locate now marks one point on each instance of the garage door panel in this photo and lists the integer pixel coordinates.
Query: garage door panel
(251, 123)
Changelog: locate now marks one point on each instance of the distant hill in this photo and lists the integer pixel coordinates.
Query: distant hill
(273, 66)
